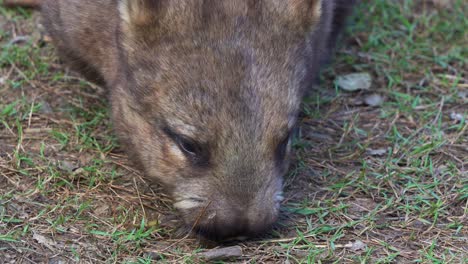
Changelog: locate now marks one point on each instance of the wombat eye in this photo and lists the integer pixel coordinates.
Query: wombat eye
(187, 146)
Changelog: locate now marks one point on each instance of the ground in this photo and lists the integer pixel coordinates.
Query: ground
(379, 175)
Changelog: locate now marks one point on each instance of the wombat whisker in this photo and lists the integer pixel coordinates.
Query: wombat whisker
(199, 216)
(192, 198)
(188, 204)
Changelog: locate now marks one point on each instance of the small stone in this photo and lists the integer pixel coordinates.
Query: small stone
(358, 245)
(222, 253)
(56, 261)
(374, 100)
(456, 116)
(377, 152)
(354, 81)
(67, 166)
(463, 94)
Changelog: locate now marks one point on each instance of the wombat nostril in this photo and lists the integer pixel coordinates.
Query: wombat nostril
(223, 229)
(221, 225)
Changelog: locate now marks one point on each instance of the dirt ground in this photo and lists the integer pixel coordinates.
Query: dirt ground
(379, 175)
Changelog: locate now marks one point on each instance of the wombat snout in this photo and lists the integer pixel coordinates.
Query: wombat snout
(220, 219)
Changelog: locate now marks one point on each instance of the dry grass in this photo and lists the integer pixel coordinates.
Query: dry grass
(386, 184)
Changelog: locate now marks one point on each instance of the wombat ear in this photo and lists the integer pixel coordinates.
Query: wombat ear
(300, 13)
(138, 12)
(163, 16)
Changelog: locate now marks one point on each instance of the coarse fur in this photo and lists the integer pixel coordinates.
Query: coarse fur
(204, 93)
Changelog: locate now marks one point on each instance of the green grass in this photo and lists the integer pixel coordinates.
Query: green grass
(64, 177)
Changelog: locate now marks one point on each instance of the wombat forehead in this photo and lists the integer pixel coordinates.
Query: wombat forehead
(250, 111)
(220, 89)
(226, 127)
(232, 103)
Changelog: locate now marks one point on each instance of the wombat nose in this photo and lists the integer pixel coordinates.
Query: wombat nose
(234, 224)
(223, 226)
(225, 229)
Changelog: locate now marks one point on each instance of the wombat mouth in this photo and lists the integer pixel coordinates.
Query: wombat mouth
(230, 236)
(215, 220)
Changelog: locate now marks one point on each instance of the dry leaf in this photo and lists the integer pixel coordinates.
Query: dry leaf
(354, 81)
(358, 245)
(47, 242)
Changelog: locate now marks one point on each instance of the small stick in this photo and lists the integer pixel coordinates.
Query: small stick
(22, 3)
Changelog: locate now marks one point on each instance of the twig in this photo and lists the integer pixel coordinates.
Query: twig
(22, 3)
(139, 198)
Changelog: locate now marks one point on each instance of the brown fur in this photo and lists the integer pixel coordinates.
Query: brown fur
(227, 76)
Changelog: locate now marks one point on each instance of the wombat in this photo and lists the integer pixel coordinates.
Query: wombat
(205, 94)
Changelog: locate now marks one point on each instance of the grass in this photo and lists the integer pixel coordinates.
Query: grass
(386, 184)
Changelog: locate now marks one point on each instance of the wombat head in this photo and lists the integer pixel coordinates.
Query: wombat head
(207, 99)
